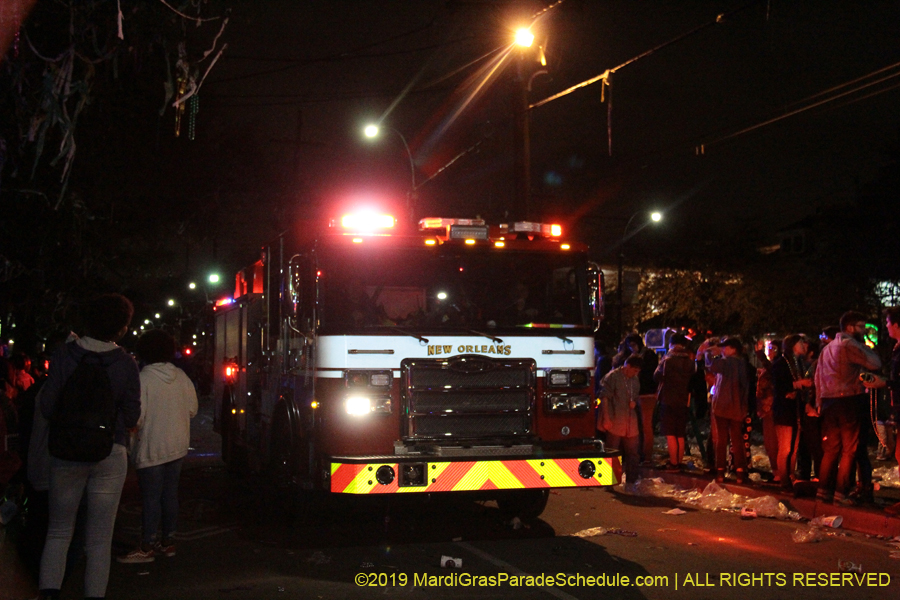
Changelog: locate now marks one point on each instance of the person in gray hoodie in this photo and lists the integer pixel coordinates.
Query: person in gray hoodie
(160, 443)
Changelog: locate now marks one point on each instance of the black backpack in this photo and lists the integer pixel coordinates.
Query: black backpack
(83, 425)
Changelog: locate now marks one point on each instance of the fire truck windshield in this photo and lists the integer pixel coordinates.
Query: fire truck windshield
(447, 288)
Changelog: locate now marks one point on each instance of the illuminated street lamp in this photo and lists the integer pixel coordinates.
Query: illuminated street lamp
(192, 286)
(526, 72)
(372, 131)
(213, 278)
(171, 302)
(653, 217)
(524, 38)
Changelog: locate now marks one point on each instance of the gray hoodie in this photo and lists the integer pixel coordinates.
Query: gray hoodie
(168, 403)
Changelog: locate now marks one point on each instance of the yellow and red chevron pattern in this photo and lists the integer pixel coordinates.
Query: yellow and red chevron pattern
(459, 476)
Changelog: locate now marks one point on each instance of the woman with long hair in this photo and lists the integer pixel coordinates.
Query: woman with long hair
(789, 382)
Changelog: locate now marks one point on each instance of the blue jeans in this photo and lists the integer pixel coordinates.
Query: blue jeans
(159, 493)
(69, 481)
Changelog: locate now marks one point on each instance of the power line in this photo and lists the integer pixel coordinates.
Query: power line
(701, 149)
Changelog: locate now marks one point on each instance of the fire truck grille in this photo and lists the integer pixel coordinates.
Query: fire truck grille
(463, 426)
(468, 398)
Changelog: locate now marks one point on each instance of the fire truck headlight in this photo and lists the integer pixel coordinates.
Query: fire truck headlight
(363, 405)
(358, 405)
(579, 378)
(568, 403)
(380, 379)
(558, 403)
(579, 403)
(559, 378)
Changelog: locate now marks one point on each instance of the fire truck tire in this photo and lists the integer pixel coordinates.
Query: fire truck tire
(281, 448)
(527, 505)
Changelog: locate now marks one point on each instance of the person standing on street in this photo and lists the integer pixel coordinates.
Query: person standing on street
(729, 404)
(674, 375)
(618, 414)
(100, 481)
(160, 443)
(840, 393)
(892, 322)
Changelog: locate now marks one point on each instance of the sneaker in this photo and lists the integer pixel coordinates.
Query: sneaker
(841, 500)
(138, 555)
(825, 497)
(166, 548)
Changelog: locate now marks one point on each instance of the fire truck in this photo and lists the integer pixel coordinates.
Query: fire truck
(455, 358)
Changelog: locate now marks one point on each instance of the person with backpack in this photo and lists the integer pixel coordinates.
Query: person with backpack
(92, 396)
(158, 448)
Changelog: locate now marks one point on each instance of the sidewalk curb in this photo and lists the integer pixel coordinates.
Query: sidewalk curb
(862, 519)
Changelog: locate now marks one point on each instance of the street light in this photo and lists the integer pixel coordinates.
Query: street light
(529, 64)
(371, 131)
(654, 217)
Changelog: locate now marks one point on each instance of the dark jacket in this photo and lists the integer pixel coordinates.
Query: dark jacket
(674, 375)
(123, 375)
(786, 403)
(732, 387)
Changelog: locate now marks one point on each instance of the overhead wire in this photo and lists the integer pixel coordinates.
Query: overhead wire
(702, 148)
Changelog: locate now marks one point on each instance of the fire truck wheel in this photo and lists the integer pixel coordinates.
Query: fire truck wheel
(281, 450)
(525, 504)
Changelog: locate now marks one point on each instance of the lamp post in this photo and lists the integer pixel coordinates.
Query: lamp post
(654, 217)
(371, 131)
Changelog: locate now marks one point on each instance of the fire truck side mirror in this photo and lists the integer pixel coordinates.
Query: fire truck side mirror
(595, 293)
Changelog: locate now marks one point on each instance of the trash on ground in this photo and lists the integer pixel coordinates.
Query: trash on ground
(894, 554)
(833, 521)
(849, 567)
(592, 532)
(318, 558)
(451, 562)
(748, 513)
(622, 532)
(768, 506)
(887, 476)
(675, 511)
(805, 536)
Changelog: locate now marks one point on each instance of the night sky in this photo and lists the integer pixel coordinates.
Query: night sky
(278, 134)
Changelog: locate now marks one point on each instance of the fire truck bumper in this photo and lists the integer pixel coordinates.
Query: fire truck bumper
(392, 475)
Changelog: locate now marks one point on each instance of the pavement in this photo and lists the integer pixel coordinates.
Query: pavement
(871, 520)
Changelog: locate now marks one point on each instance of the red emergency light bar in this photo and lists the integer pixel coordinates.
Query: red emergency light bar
(224, 302)
(366, 222)
(547, 230)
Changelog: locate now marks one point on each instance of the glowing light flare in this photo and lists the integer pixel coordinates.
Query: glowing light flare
(171, 302)
(357, 240)
(556, 230)
(358, 405)
(430, 242)
(367, 222)
(370, 131)
(442, 295)
(524, 38)
(565, 246)
(470, 242)
(656, 217)
(499, 244)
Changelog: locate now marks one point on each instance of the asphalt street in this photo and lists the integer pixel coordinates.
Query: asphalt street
(242, 539)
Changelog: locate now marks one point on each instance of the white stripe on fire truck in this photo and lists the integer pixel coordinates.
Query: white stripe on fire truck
(332, 354)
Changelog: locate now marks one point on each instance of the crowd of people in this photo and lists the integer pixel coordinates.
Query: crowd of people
(70, 420)
(817, 401)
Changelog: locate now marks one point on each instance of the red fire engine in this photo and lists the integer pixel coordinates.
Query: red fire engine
(456, 358)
